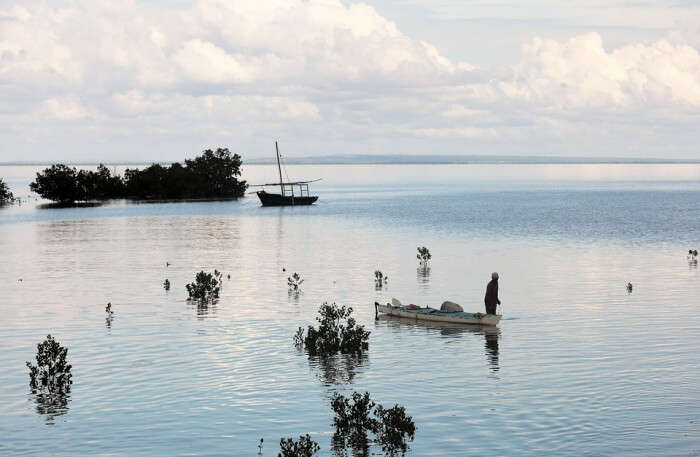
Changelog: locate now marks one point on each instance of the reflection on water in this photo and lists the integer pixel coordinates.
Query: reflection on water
(70, 205)
(203, 309)
(50, 405)
(339, 368)
(294, 295)
(167, 376)
(450, 330)
(491, 337)
(355, 445)
(423, 275)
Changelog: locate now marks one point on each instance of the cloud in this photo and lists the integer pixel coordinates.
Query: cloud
(580, 73)
(322, 69)
(63, 109)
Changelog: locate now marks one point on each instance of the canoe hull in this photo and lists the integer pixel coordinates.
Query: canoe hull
(268, 199)
(438, 316)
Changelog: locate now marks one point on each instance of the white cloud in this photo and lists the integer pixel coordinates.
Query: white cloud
(63, 109)
(323, 69)
(580, 73)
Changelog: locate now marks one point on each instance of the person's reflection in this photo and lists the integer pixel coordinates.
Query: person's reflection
(491, 346)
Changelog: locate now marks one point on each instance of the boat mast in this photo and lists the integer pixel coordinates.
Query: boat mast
(279, 167)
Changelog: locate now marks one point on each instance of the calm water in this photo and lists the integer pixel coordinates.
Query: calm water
(578, 367)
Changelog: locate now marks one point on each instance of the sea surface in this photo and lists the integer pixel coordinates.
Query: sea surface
(577, 367)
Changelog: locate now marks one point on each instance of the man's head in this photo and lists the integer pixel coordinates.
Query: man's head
(494, 275)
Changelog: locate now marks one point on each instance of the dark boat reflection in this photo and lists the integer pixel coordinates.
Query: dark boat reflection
(490, 333)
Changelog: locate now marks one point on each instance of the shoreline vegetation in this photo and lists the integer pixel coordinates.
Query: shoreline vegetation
(6, 196)
(211, 175)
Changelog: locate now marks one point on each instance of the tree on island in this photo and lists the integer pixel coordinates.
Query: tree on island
(58, 183)
(213, 174)
(5, 194)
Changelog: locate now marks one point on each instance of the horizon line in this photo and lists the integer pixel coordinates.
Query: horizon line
(392, 159)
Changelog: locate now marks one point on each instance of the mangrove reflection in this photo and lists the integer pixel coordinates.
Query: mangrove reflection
(355, 445)
(423, 275)
(338, 368)
(203, 310)
(51, 405)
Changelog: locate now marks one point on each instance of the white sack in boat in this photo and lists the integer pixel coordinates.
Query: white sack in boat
(451, 307)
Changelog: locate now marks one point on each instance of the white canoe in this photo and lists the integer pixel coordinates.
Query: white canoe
(435, 315)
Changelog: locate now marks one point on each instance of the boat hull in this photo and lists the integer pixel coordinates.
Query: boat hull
(268, 199)
(434, 315)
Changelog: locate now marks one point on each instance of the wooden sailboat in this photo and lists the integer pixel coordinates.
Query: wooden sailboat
(291, 193)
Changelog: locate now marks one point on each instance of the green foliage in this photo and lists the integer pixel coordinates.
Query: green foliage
(353, 422)
(205, 287)
(294, 282)
(423, 255)
(337, 332)
(99, 185)
(213, 174)
(58, 183)
(5, 194)
(395, 428)
(380, 279)
(354, 418)
(303, 447)
(51, 373)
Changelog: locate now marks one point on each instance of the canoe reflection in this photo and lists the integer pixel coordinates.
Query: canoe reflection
(490, 333)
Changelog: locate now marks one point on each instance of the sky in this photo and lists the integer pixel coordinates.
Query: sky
(156, 80)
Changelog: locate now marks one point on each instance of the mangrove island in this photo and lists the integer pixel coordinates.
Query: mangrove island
(211, 175)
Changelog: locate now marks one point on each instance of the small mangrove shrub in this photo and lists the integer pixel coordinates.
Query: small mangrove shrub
(51, 374)
(380, 279)
(395, 428)
(294, 282)
(338, 332)
(303, 447)
(206, 286)
(355, 419)
(423, 255)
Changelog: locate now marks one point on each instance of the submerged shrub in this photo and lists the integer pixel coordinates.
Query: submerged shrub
(380, 279)
(303, 447)
(337, 332)
(294, 282)
(423, 255)
(355, 419)
(395, 428)
(51, 373)
(206, 286)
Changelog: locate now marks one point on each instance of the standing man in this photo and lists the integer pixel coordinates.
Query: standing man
(491, 297)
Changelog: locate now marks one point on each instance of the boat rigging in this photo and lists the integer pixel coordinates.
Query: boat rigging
(287, 195)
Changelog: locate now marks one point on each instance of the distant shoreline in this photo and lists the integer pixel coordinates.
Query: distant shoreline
(407, 160)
